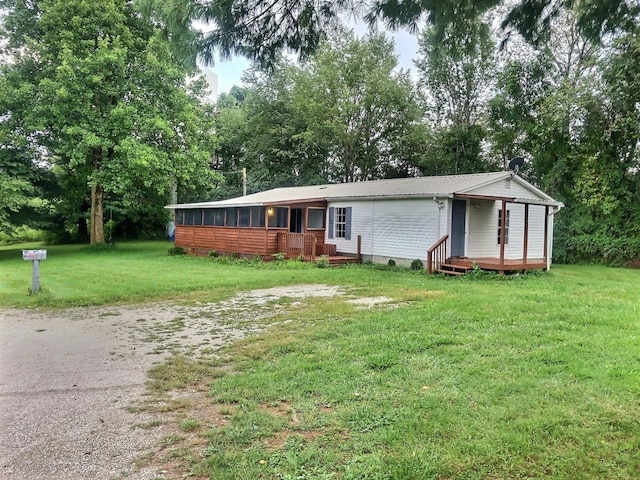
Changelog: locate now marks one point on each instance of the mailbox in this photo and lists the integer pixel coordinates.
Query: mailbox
(34, 254)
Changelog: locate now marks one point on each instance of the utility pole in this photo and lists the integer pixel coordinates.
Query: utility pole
(244, 182)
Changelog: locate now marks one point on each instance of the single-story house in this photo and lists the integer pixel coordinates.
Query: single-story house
(497, 220)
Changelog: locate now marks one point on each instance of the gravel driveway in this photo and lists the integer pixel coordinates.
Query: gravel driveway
(67, 376)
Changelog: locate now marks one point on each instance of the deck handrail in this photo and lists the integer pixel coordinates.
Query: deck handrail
(295, 244)
(437, 254)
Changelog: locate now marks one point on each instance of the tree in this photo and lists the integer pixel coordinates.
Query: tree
(456, 76)
(13, 196)
(343, 115)
(359, 108)
(106, 103)
(513, 113)
(260, 30)
(570, 109)
(15, 174)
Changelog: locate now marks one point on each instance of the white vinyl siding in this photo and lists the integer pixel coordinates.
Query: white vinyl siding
(505, 188)
(405, 229)
(482, 231)
(398, 229)
(360, 225)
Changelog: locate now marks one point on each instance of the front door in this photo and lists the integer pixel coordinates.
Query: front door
(458, 218)
(297, 215)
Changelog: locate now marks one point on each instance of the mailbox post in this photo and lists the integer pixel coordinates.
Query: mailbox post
(35, 256)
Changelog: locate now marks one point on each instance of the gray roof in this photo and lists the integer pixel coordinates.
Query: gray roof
(414, 187)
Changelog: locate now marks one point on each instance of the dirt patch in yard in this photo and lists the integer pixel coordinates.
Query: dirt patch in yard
(69, 379)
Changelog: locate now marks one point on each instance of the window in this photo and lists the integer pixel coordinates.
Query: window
(315, 218)
(219, 220)
(179, 217)
(193, 217)
(188, 217)
(245, 217)
(209, 215)
(278, 217)
(232, 217)
(506, 229)
(257, 217)
(341, 222)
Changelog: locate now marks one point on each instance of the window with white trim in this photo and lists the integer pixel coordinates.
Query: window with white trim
(506, 229)
(341, 222)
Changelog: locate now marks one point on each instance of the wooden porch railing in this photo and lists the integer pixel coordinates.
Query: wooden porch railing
(295, 244)
(437, 254)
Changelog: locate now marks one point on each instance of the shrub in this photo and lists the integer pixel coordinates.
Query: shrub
(417, 264)
(21, 234)
(280, 256)
(601, 248)
(214, 254)
(323, 261)
(391, 262)
(176, 251)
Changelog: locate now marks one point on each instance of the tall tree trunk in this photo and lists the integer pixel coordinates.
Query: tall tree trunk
(97, 201)
(97, 215)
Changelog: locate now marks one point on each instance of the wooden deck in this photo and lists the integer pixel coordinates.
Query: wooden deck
(491, 264)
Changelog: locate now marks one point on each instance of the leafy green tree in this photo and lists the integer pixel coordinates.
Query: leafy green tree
(233, 134)
(513, 112)
(260, 30)
(14, 194)
(106, 104)
(359, 107)
(456, 74)
(571, 111)
(278, 148)
(343, 115)
(15, 173)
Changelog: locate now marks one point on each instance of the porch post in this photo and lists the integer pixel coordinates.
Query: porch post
(525, 243)
(503, 230)
(546, 234)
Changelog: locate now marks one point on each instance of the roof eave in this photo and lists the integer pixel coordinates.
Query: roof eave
(536, 201)
(403, 196)
(487, 182)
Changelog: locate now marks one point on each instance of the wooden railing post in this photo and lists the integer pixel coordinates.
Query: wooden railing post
(525, 240)
(546, 237)
(437, 254)
(503, 231)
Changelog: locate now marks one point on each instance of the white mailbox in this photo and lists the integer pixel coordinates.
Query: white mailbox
(34, 254)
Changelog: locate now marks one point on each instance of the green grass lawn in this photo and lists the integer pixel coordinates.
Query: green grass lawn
(534, 376)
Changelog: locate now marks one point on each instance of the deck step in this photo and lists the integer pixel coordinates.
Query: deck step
(449, 272)
(453, 269)
(456, 267)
